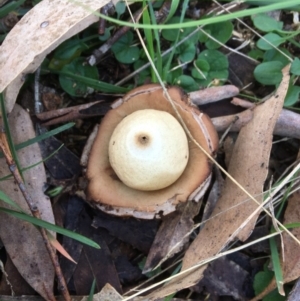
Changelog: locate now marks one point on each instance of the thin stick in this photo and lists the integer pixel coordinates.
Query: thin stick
(35, 212)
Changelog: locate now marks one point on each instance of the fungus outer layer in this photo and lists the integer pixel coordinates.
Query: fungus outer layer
(107, 192)
(148, 150)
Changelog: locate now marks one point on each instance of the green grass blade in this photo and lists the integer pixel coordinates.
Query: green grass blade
(8, 135)
(35, 164)
(173, 9)
(244, 13)
(92, 291)
(158, 63)
(149, 38)
(50, 227)
(5, 198)
(167, 67)
(45, 135)
(96, 84)
(276, 264)
(292, 225)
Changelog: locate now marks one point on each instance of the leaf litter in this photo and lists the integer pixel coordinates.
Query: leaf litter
(267, 114)
(33, 261)
(249, 165)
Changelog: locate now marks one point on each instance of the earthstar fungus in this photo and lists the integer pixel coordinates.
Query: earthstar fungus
(148, 150)
(183, 178)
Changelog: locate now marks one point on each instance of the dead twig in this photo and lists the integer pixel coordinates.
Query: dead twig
(287, 125)
(213, 94)
(88, 110)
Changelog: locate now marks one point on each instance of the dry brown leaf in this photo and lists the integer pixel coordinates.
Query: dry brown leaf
(41, 30)
(295, 293)
(213, 196)
(108, 293)
(249, 165)
(173, 233)
(291, 265)
(22, 240)
(14, 283)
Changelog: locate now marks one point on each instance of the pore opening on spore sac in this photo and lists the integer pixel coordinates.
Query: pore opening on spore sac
(143, 139)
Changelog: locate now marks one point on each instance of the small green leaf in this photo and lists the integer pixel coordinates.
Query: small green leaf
(124, 51)
(173, 75)
(69, 49)
(220, 31)
(274, 296)
(203, 38)
(106, 35)
(171, 34)
(120, 8)
(143, 75)
(187, 52)
(275, 55)
(272, 38)
(78, 67)
(218, 67)
(261, 280)
(265, 23)
(66, 52)
(295, 68)
(201, 69)
(187, 83)
(256, 54)
(269, 73)
(292, 96)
